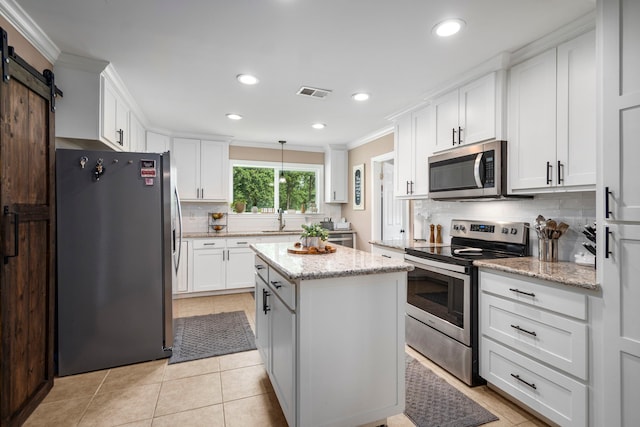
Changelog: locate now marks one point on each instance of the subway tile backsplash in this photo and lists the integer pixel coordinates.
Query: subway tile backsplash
(576, 209)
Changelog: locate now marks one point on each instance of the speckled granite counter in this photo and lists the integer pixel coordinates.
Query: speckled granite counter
(566, 273)
(403, 244)
(343, 263)
(223, 234)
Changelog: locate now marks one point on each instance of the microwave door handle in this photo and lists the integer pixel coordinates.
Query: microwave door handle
(476, 170)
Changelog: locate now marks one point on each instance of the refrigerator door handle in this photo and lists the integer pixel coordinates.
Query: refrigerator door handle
(179, 210)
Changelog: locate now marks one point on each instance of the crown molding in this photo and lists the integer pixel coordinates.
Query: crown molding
(290, 147)
(26, 26)
(370, 137)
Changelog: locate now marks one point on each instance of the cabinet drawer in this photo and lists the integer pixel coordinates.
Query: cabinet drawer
(239, 243)
(262, 269)
(208, 244)
(556, 340)
(535, 292)
(285, 289)
(556, 396)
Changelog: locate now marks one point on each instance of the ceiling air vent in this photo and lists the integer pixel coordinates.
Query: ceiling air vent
(313, 92)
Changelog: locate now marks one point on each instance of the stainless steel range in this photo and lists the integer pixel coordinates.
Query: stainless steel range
(442, 291)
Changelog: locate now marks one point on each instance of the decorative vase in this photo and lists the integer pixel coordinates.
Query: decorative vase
(239, 207)
(254, 209)
(312, 241)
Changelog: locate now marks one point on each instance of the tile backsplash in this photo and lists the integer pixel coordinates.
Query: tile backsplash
(576, 209)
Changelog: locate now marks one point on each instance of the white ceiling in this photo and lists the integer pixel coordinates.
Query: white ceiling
(179, 58)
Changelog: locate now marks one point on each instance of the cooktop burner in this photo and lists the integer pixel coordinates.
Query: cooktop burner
(475, 240)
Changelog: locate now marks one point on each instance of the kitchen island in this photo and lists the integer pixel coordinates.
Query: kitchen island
(330, 330)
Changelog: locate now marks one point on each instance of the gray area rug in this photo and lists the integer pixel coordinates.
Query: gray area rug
(211, 335)
(433, 402)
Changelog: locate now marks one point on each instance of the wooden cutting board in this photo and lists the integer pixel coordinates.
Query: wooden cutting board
(303, 250)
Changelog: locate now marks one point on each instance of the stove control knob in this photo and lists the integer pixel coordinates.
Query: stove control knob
(462, 228)
(514, 231)
(456, 227)
(505, 230)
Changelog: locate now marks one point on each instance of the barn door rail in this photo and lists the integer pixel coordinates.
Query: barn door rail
(9, 54)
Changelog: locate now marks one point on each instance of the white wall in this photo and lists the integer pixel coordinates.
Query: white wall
(576, 209)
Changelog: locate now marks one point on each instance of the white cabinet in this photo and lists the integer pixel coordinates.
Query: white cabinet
(414, 142)
(387, 252)
(468, 114)
(158, 143)
(618, 210)
(96, 104)
(222, 264)
(202, 169)
(181, 285)
(552, 125)
(137, 134)
(534, 344)
(336, 175)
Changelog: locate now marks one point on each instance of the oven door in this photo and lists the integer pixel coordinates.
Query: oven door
(439, 295)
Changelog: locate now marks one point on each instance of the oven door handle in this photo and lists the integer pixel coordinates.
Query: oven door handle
(453, 270)
(476, 170)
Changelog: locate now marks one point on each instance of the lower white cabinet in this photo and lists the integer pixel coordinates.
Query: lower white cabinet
(534, 344)
(387, 252)
(217, 264)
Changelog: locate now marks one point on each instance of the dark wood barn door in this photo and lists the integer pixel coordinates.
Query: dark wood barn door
(27, 263)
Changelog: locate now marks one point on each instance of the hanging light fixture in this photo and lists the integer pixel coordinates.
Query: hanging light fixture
(282, 178)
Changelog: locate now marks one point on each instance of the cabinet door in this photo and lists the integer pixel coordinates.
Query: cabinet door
(446, 120)
(263, 321)
(403, 166)
(532, 122)
(576, 134)
(136, 134)
(214, 160)
(109, 113)
(123, 136)
(186, 156)
(336, 182)
(283, 361)
(477, 114)
(157, 143)
(182, 280)
(239, 271)
(424, 144)
(208, 269)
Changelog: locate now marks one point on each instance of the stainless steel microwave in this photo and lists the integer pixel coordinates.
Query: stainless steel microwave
(473, 171)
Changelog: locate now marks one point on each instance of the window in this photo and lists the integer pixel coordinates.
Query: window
(257, 183)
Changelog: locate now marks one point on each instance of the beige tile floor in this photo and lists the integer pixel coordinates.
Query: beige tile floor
(226, 391)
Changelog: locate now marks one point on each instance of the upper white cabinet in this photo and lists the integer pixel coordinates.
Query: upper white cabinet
(552, 119)
(158, 143)
(201, 169)
(335, 166)
(137, 134)
(467, 114)
(96, 104)
(414, 142)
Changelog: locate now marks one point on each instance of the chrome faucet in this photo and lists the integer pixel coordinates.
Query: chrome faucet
(281, 222)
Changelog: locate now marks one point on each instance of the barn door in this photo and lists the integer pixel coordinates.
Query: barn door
(27, 263)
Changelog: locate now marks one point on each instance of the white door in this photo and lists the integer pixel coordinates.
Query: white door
(392, 215)
(208, 270)
(283, 356)
(263, 321)
(239, 271)
(532, 122)
(186, 157)
(122, 124)
(214, 158)
(477, 113)
(446, 119)
(109, 113)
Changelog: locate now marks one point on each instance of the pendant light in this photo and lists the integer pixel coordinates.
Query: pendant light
(282, 178)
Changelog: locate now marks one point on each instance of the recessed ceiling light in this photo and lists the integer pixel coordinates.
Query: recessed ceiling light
(234, 116)
(449, 27)
(318, 126)
(360, 96)
(247, 79)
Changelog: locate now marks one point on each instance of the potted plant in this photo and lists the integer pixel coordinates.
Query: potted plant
(238, 205)
(314, 235)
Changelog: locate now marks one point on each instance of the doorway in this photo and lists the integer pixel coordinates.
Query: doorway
(389, 219)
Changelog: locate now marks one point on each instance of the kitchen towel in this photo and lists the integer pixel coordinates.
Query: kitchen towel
(431, 401)
(211, 335)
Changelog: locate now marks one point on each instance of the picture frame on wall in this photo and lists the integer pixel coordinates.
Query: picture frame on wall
(358, 187)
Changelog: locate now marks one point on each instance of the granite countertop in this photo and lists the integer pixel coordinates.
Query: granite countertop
(403, 244)
(566, 273)
(343, 263)
(223, 234)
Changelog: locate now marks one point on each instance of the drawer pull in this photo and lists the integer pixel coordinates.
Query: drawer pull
(276, 284)
(530, 294)
(259, 267)
(386, 256)
(533, 334)
(533, 386)
(209, 244)
(241, 243)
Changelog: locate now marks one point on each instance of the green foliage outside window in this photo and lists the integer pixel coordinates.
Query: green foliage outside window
(256, 185)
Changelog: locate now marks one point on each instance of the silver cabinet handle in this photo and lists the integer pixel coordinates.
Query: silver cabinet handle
(532, 385)
(529, 294)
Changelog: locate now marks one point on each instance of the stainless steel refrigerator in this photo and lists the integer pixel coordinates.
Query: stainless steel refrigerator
(118, 221)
